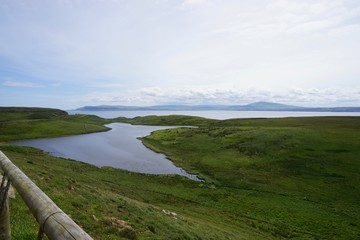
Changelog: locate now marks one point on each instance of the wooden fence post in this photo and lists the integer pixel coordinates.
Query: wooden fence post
(5, 232)
(52, 220)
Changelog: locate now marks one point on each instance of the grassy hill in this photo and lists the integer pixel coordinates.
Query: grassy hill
(28, 123)
(19, 113)
(265, 179)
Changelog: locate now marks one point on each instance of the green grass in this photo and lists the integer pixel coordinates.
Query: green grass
(300, 174)
(173, 120)
(265, 179)
(95, 197)
(23, 125)
(16, 113)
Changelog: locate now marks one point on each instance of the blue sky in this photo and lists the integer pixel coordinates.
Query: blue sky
(71, 53)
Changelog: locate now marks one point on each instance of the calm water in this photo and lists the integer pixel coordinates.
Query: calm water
(118, 148)
(216, 114)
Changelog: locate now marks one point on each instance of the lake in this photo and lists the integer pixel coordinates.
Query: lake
(118, 148)
(221, 115)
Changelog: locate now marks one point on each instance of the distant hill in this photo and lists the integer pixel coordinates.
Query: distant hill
(14, 113)
(257, 106)
(267, 106)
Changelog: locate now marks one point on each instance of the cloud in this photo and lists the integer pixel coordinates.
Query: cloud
(70, 41)
(22, 84)
(313, 17)
(219, 50)
(194, 2)
(218, 96)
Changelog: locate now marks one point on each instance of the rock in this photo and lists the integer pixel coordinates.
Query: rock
(172, 214)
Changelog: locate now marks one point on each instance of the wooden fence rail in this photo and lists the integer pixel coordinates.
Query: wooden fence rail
(52, 220)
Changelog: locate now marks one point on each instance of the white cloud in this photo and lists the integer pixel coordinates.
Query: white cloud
(305, 17)
(194, 2)
(211, 47)
(217, 96)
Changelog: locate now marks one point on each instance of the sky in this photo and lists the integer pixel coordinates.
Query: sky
(72, 53)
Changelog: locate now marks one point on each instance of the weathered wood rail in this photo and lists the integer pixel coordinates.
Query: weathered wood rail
(52, 220)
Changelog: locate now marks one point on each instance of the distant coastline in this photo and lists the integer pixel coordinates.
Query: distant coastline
(257, 106)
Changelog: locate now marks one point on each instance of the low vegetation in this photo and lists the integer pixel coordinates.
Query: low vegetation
(264, 179)
(29, 123)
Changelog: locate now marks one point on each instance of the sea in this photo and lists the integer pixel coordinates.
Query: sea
(215, 114)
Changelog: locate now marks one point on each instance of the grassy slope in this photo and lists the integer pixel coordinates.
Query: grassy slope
(29, 123)
(98, 198)
(293, 177)
(171, 120)
(267, 178)
(109, 203)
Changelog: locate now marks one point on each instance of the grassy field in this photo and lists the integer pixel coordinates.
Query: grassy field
(265, 179)
(29, 123)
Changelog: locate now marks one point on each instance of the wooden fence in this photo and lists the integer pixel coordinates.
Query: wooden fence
(52, 220)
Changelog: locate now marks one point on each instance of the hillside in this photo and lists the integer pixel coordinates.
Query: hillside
(265, 179)
(257, 106)
(15, 113)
